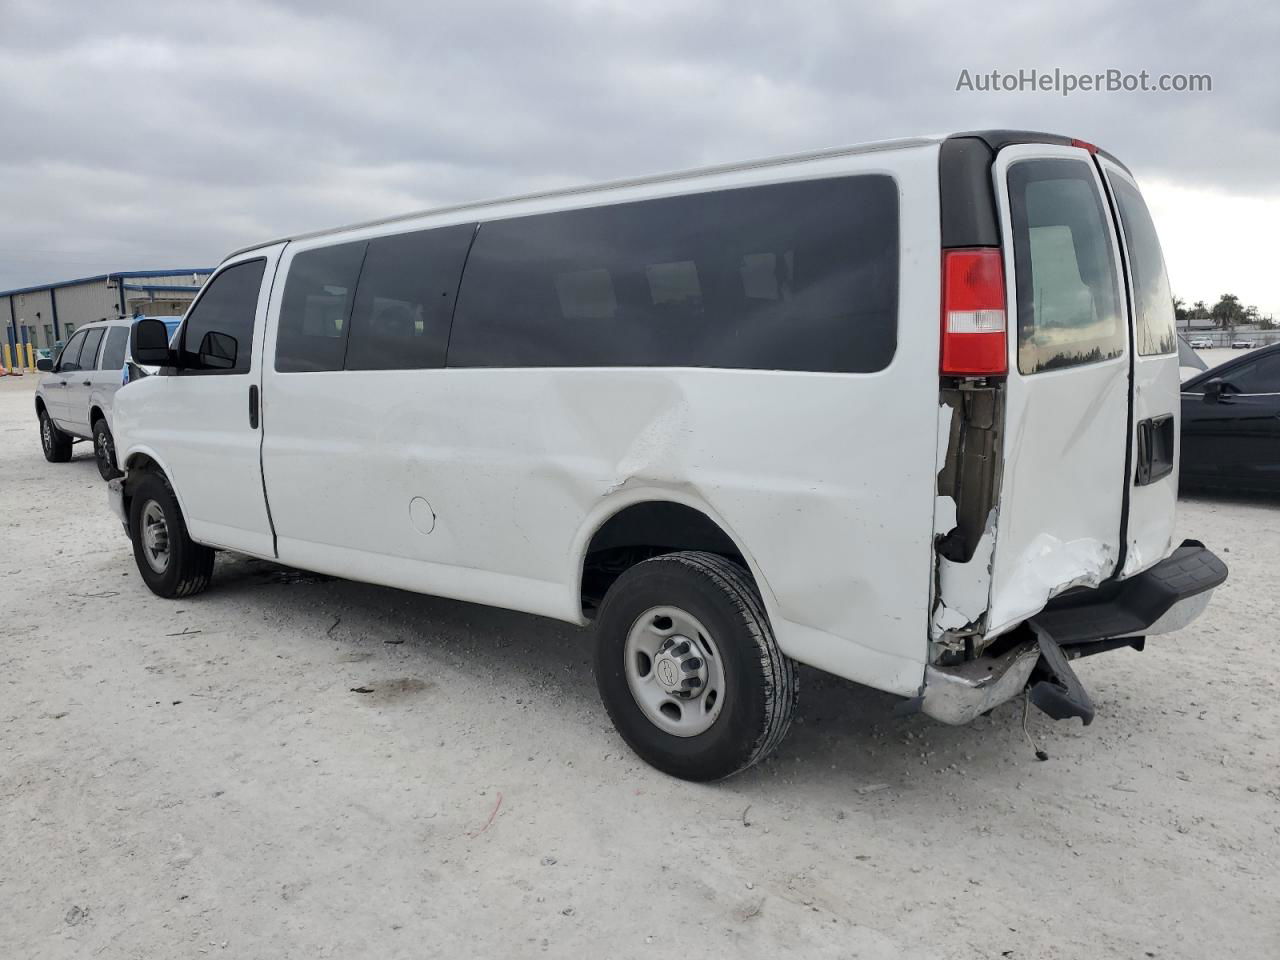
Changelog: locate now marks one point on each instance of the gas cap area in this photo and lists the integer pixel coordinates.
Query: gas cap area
(421, 515)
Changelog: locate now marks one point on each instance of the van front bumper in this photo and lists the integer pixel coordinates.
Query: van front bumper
(1162, 599)
(115, 497)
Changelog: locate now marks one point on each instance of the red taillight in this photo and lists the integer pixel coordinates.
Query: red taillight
(973, 314)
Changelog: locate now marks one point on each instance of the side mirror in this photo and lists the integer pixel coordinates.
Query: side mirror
(1218, 390)
(149, 344)
(44, 364)
(218, 351)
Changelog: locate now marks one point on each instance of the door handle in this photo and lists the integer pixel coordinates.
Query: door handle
(87, 383)
(62, 383)
(253, 407)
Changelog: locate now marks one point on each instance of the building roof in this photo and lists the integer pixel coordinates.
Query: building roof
(118, 275)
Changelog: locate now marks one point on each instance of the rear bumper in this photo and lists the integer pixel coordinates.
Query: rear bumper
(1159, 600)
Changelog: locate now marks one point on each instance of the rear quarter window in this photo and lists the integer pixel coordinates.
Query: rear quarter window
(794, 276)
(1067, 284)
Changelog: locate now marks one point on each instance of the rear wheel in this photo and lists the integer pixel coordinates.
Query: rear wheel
(688, 667)
(55, 443)
(104, 450)
(171, 563)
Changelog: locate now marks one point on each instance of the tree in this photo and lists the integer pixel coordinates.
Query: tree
(1227, 312)
(1179, 310)
(1199, 310)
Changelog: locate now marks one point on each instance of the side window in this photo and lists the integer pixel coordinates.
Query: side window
(405, 300)
(315, 313)
(113, 352)
(1259, 376)
(217, 336)
(1152, 298)
(790, 276)
(1068, 305)
(89, 352)
(69, 358)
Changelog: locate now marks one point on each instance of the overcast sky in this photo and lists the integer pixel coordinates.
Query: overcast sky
(140, 135)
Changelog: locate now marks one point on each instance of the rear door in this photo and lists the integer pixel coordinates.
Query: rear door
(80, 384)
(106, 379)
(1061, 505)
(1153, 479)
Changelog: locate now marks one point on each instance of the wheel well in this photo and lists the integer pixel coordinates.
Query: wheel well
(40, 408)
(137, 465)
(95, 414)
(645, 530)
(141, 463)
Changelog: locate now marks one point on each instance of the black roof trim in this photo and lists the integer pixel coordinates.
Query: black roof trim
(999, 139)
(964, 180)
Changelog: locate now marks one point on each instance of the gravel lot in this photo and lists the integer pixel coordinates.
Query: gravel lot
(197, 777)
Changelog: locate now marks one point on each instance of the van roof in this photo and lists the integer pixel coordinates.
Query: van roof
(994, 139)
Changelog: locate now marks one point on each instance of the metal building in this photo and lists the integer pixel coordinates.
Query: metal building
(47, 314)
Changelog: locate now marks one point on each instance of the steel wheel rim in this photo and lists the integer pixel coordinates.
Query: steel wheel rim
(106, 453)
(674, 671)
(154, 534)
(46, 432)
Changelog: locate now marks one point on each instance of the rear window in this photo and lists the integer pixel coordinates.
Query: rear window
(1068, 302)
(795, 276)
(1152, 299)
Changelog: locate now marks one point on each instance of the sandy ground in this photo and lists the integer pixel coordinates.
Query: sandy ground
(194, 778)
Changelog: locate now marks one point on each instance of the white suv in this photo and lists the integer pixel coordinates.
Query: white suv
(905, 412)
(74, 398)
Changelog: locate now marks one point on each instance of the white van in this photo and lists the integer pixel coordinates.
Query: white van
(905, 412)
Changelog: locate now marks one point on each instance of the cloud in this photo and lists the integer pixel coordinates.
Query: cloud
(170, 133)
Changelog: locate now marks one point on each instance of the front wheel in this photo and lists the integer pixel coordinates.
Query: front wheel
(171, 563)
(55, 443)
(688, 668)
(104, 450)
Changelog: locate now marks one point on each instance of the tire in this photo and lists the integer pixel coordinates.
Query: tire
(104, 450)
(170, 562)
(55, 443)
(666, 600)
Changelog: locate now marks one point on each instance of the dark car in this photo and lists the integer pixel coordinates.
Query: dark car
(1231, 424)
